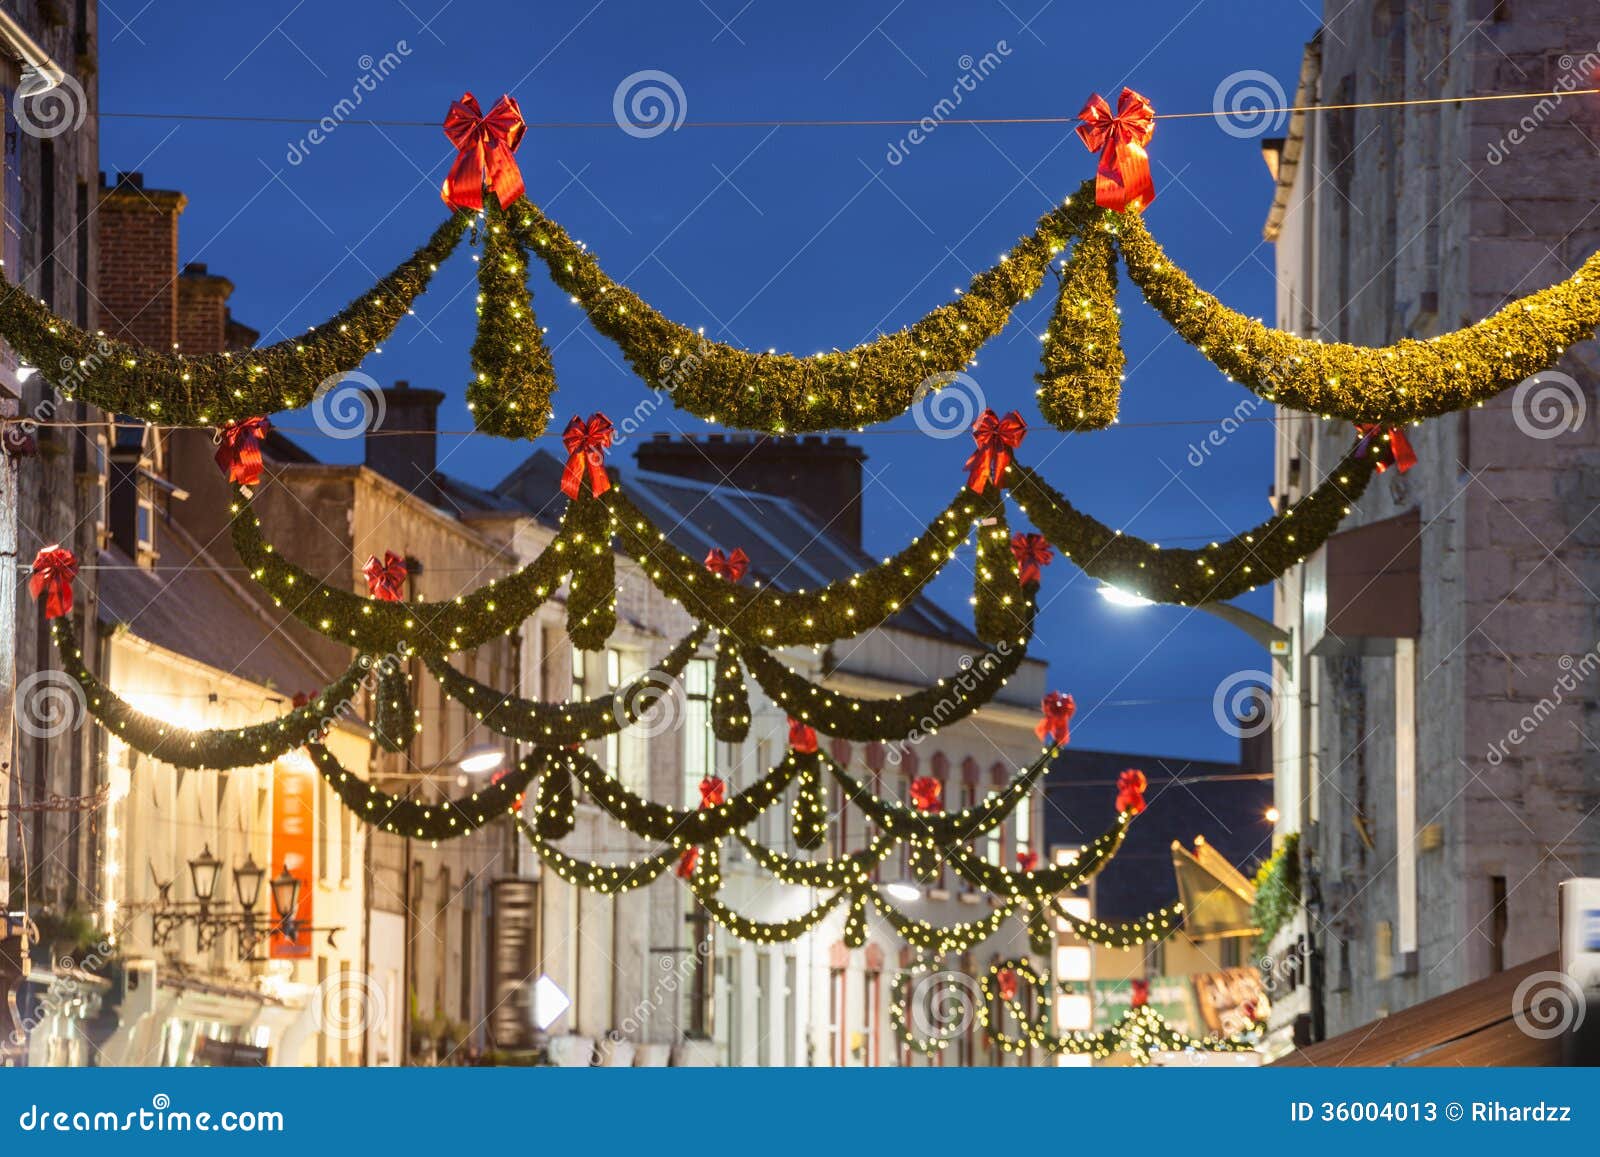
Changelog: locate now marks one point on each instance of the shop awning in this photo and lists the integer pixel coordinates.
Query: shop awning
(1217, 899)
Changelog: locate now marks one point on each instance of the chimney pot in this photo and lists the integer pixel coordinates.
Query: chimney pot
(134, 180)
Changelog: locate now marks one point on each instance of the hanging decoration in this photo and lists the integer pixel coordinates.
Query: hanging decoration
(808, 821)
(588, 528)
(802, 737)
(394, 717)
(997, 439)
(239, 450)
(607, 879)
(927, 794)
(513, 376)
(943, 828)
(1002, 608)
(485, 144)
(730, 566)
(730, 697)
(586, 443)
(1394, 449)
(1081, 386)
(51, 577)
(1123, 181)
(556, 808)
(442, 820)
(1057, 710)
(386, 577)
(1033, 553)
(1131, 786)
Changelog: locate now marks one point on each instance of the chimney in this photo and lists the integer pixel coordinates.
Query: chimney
(403, 443)
(138, 233)
(823, 475)
(202, 310)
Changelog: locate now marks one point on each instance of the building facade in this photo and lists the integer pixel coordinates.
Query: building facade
(1432, 741)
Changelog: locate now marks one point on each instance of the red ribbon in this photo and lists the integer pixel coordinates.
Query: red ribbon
(712, 791)
(1130, 791)
(1141, 992)
(1027, 861)
(731, 566)
(927, 793)
(1008, 983)
(687, 863)
(1058, 710)
(54, 568)
(486, 144)
(802, 737)
(1123, 178)
(586, 443)
(1032, 551)
(1397, 453)
(386, 580)
(239, 450)
(996, 438)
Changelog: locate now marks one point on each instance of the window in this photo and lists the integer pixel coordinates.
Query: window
(469, 925)
(764, 1009)
(1024, 830)
(613, 742)
(993, 841)
(869, 1018)
(699, 744)
(836, 1044)
(791, 1008)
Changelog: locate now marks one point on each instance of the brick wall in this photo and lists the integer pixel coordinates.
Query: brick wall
(138, 230)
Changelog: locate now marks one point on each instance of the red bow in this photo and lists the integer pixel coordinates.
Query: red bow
(687, 863)
(1032, 551)
(1249, 1010)
(730, 566)
(486, 144)
(927, 793)
(1141, 992)
(54, 568)
(1123, 179)
(1058, 711)
(1008, 983)
(712, 791)
(586, 444)
(1130, 791)
(802, 736)
(1027, 861)
(386, 580)
(996, 438)
(239, 450)
(1397, 451)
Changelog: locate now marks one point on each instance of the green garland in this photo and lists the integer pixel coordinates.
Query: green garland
(852, 869)
(587, 527)
(785, 393)
(949, 700)
(808, 819)
(950, 1008)
(607, 879)
(1083, 358)
(1214, 573)
(1400, 383)
(553, 724)
(1157, 925)
(461, 624)
(220, 748)
(683, 827)
(443, 820)
(394, 717)
(1002, 609)
(944, 828)
(211, 389)
(855, 925)
(1277, 884)
(555, 812)
(730, 698)
(512, 374)
(1041, 882)
(767, 932)
(941, 940)
(842, 609)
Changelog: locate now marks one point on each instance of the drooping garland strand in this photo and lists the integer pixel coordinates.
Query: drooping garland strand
(769, 618)
(1157, 925)
(1213, 573)
(855, 924)
(554, 724)
(730, 697)
(942, 940)
(785, 393)
(1083, 357)
(512, 374)
(1001, 609)
(443, 820)
(808, 819)
(394, 716)
(219, 748)
(211, 389)
(767, 932)
(607, 879)
(592, 588)
(1389, 386)
(384, 628)
(949, 700)
(943, 828)
(853, 868)
(683, 827)
(1041, 882)
(555, 812)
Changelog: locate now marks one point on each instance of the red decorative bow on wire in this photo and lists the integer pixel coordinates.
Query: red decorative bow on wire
(1123, 178)
(1397, 451)
(728, 565)
(1141, 993)
(239, 450)
(927, 793)
(386, 580)
(687, 863)
(54, 568)
(712, 791)
(1130, 791)
(586, 443)
(802, 737)
(486, 144)
(1032, 552)
(1027, 861)
(1250, 1011)
(1058, 710)
(996, 437)
(1007, 978)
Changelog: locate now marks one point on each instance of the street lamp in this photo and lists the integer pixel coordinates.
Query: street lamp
(286, 898)
(1278, 642)
(483, 758)
(203, 872)
(247, 883)
(902, 891)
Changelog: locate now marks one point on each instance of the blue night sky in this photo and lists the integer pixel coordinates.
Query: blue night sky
(800, 238)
